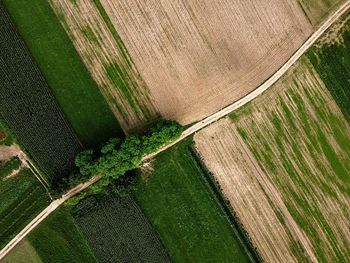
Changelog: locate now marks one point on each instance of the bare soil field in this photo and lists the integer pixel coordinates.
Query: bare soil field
(298, 160)
(198, 56)
(107, 60)
(316, 10)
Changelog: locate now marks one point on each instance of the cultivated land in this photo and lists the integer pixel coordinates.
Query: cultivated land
(299, 143)
(24, 252)
(317, 10)
(331, 59)
(107, 60)
(118, 231)
(60, 64)
(29, 108)
(190, 222)
(57, 239)
(243, 183)
(198, 56)
(22, 196)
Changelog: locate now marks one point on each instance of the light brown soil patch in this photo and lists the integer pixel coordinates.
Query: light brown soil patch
(199, 56)
(107, 61)
(7, 152)
(254, 199)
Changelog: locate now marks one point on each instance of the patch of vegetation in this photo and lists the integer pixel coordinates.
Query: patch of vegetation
(22, 198)
(332, 63)
(180, 205)
(75, 90)
(57, 239)
(7, 167)
(117, 157)
(117, 230)
(29, 108)
(90, 35)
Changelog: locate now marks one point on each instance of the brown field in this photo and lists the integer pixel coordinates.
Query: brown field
(285, 167)
(199, 56)
(108, 62)
(317, 10)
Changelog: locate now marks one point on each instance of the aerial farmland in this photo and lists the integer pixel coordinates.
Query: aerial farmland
(174, 131)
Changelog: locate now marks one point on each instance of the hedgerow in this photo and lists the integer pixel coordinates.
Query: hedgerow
(117, 157)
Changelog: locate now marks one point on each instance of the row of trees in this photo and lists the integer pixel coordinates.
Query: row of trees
(117, 157)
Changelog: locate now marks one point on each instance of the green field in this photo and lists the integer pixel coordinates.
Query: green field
(117, 230)
(184, 211)
(57, 239)
(22, 198)
(69, 80)
(332, 62)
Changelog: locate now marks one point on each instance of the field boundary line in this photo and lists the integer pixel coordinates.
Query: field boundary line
(194, 128)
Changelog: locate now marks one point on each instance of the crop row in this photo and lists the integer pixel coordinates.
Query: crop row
(117, 230)
(29, 108)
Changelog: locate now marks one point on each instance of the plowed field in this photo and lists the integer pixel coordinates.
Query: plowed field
(198, 56)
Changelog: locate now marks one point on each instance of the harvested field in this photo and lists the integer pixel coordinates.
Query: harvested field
(107, 60)
(317, 10)
(198, 56)
(299, 142)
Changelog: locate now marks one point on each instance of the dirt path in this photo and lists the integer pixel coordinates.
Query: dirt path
(44, 214)
(194, 128)
(7, 152)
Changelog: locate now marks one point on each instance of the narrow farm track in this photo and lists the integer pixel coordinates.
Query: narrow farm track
(44, 214)
(194, 128)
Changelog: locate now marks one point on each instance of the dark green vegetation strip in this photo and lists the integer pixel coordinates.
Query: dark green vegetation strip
(117, 230)
(22, 198)
(71, 83)
(6, 137)
(57, 239)
(28, 107)
(184, 211)
(332, 63)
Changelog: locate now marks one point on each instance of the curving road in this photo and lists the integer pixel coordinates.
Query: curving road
(194, 128)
